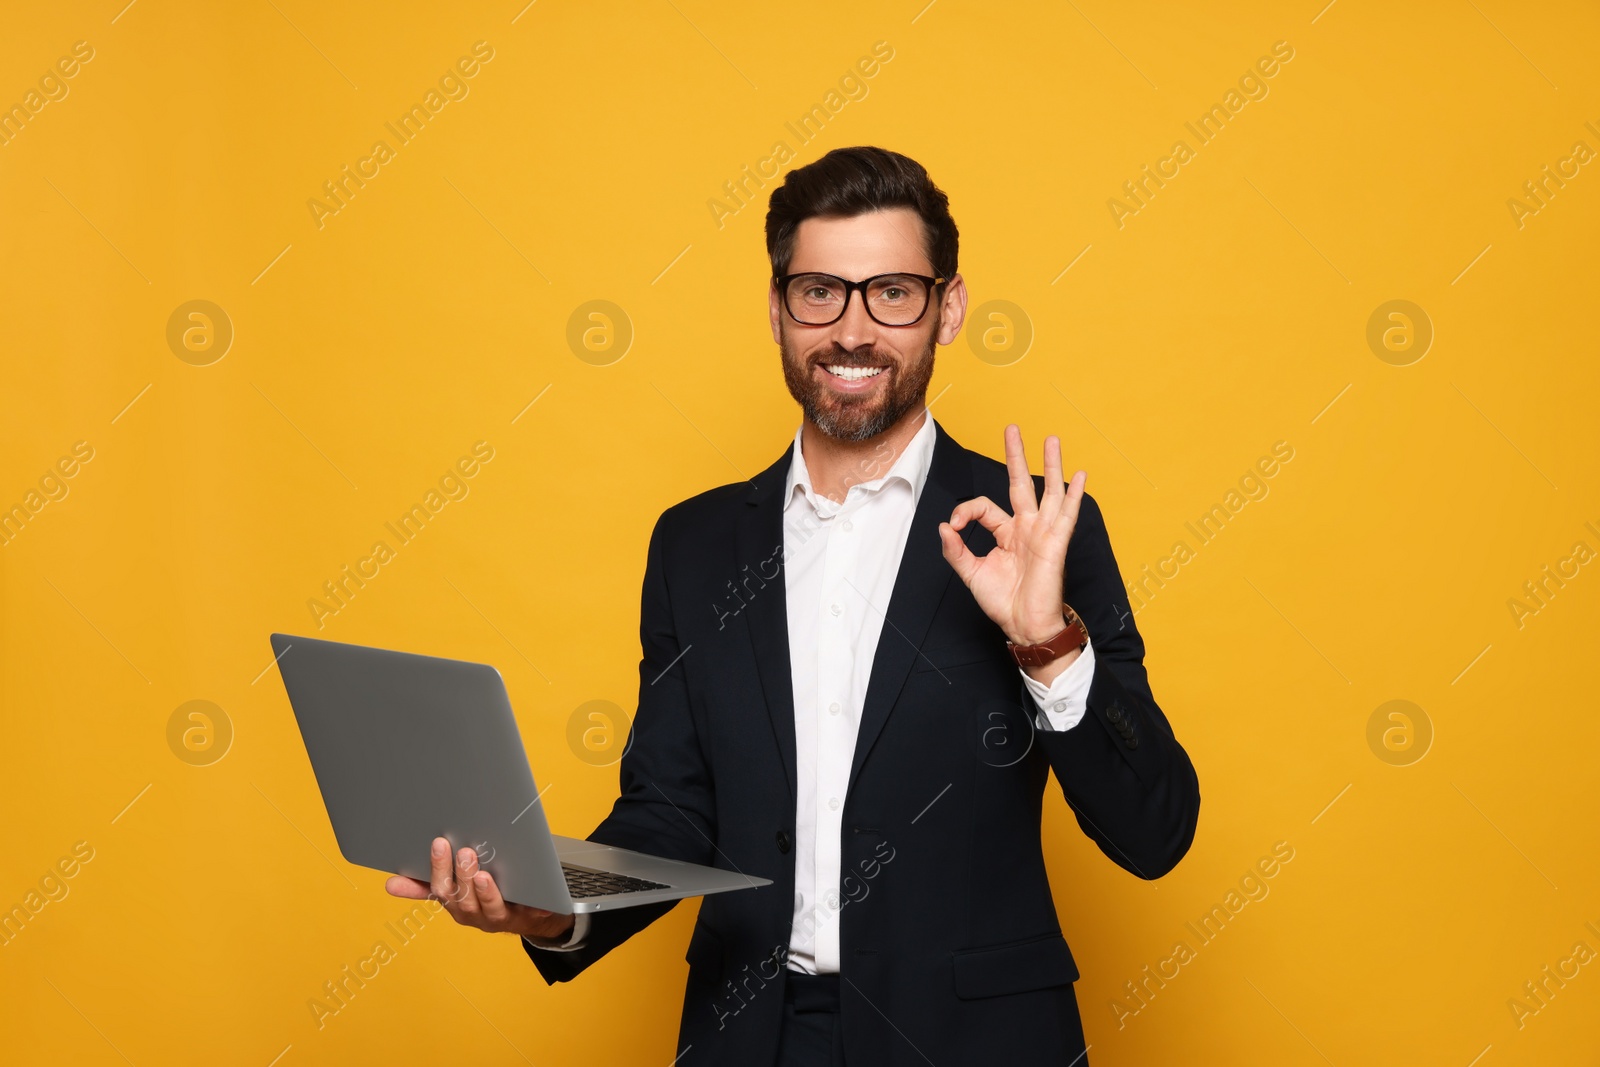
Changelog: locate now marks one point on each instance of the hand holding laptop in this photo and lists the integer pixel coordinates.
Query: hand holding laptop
(409, 749)
(472, 898)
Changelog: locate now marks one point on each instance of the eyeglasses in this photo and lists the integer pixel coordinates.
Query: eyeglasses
(814, 299)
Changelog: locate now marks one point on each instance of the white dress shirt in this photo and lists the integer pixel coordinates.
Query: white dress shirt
(840, 564)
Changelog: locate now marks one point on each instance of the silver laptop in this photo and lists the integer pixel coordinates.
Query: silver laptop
(408, 748)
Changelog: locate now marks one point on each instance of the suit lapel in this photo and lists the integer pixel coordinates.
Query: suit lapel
(919, 586)
(758, 538)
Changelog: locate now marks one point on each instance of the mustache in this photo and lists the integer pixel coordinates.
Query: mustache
(861, 357)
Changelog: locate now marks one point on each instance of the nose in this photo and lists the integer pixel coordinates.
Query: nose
(855, 328)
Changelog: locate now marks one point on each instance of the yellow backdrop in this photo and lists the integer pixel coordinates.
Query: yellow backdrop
(1303, 291)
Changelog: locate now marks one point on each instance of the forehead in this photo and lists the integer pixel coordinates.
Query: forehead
(880, 242)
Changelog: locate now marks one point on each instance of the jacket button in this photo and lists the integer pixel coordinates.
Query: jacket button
(783, 841)
(1133, 742)
(1114, 713)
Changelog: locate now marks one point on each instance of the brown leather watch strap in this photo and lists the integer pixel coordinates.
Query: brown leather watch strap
(1074, 636)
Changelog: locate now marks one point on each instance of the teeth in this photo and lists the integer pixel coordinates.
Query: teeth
(853, 374)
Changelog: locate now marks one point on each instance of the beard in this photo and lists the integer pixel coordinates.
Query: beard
(857, 418)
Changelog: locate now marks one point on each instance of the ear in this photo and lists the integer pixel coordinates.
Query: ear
(774, 312)
(953, 309)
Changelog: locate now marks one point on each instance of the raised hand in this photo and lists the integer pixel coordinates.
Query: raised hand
(472, 898)
(1018, 584)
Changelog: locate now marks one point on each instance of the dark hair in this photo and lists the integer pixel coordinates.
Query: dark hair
(854, 181)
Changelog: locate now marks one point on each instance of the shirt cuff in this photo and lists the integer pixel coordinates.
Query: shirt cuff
(574, 941)
(1063, 702)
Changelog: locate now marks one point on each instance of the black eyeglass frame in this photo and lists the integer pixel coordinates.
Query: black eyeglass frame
(781, 282)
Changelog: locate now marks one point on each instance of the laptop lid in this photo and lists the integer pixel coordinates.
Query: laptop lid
(407, 748)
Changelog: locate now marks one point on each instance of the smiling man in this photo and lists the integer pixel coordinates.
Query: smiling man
(859, 670)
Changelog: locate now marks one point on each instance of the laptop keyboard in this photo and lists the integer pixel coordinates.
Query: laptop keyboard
(586, 883)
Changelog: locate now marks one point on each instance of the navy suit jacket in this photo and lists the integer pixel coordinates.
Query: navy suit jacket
(951, 949)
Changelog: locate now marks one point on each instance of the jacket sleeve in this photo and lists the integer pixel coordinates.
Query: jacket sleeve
(1125, 776)
(665, 807)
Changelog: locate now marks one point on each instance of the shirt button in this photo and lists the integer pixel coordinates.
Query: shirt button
(833, 900)
(833, 709)
(847, 526)
(1061, 705)
(836, 608)
(833, 803)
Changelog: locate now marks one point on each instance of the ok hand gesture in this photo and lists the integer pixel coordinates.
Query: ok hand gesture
(1019, 583)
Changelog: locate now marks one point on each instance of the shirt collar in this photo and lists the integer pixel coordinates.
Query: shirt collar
(911, 467)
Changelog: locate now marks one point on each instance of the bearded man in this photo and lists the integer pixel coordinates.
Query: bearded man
(858, 672)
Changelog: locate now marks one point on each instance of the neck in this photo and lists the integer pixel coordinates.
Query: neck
(836, 465)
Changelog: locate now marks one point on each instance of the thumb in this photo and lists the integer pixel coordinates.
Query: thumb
(410, 888)
(957, 554)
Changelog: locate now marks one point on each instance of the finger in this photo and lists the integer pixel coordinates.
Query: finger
(489, 898)
(1066, 519)
(1023, 500)
(467, 893)
(990, 516)
(957, 554)
(1054, 490)
(410, 888)
(443, 885)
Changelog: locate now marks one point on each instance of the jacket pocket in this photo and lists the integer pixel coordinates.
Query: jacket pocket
(1037, 963)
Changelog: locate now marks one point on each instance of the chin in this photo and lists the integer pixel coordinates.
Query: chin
(851, 422)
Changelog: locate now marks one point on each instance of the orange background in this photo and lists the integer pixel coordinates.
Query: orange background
(1171, 347)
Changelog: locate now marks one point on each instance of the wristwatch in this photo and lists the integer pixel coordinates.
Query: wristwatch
(1075, 636)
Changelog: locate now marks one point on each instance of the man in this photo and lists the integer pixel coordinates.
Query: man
(825, 702)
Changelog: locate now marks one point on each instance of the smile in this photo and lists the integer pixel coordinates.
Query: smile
(853, 374)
